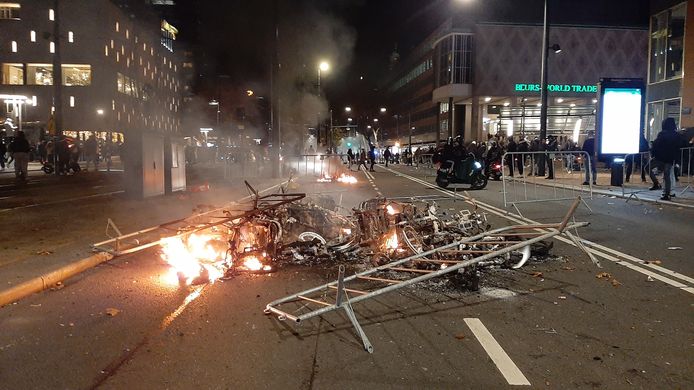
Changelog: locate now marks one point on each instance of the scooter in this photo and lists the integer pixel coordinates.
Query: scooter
(469, 171)
(496, 170)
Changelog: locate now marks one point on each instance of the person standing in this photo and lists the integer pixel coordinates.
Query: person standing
(549, 157)
(589, 148)
(386, 155)
(512, 159)
(362, 159)
(92, 152)
(665, 151)
(350, 158)
(3, 151)
(20, 152)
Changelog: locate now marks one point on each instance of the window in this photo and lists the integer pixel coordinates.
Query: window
(117, 26)
(658, 111)
(72, 101)
(14, 46)
(13, 74)
(34, 101)
(9, 11)
(39, 74)
(51, 47)
(70, 37)
(127, 34)
(51, 14)
(32, 36)
(455, 60)
(106, 50)
(77, 75)
(667, 44)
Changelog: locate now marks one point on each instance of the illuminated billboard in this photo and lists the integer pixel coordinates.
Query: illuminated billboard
(620, 117)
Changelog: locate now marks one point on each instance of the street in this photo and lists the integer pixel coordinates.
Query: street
(121, 325)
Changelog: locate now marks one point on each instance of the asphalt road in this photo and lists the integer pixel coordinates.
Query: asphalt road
(563, 329)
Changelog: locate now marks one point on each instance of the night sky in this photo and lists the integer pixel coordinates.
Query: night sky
(233, 37)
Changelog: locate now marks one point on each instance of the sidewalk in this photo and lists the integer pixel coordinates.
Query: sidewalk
(46, 236)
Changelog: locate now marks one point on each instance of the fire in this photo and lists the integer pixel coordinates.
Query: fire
(348, 179)
(194, 258)
(392, 241)
(252, 263)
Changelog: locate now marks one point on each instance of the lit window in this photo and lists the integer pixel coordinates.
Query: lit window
(77, 75)
(34, 101)
(117, 57)
(70, 37)
(144, 46)
(112, 45)
(33, 36)
(122, 49)
(151, 51)
(113, 105)
(52, 47)
(117, 26)
(51, 14)
(128, 62)
(127, 34)
(14, 46)
(106, 50)
(72, 101)
(39, 74)
(9, 11)
(13, 74)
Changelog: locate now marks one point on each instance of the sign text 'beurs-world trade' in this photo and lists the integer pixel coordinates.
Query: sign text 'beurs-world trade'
(558, 88)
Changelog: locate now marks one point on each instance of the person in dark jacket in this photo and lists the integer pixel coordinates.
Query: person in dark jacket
(387, 155)
(552, 146)
(20, 151)
(3, 151)
(589, 148)
(665, 151)
(512, 160)
(639, 159)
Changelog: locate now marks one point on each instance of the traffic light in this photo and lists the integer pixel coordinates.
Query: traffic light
(349, 144)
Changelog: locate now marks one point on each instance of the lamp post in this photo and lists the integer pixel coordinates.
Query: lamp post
(543, 84)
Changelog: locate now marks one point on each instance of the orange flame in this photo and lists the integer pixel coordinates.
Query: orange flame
(348, 179)
(192, 257)
(392, 241)
(252, 263)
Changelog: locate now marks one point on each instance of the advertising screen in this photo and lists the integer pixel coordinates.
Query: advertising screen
(621, 120)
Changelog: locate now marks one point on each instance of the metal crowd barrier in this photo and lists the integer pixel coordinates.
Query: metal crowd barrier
(640, 165)
(685, 169)
(568, 169)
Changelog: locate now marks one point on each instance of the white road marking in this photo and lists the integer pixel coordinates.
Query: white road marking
(503, 362)
(591, 246)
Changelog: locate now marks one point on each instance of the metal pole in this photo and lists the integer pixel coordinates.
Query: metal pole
(543, 90)
(274, 99)
(57, 82)
(409, 127)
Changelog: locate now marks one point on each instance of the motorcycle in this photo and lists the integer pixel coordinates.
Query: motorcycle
(469, 171)
(496, 170)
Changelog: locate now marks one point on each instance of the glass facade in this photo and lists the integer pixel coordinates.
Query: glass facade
(39, 74)
(454, 54)
(77, 75)
(657, 111)
(13, 74)
(667, 44)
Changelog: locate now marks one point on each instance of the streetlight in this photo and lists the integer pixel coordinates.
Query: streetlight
(322, 67)
(348, 109)
(383, 110)
(100, 111)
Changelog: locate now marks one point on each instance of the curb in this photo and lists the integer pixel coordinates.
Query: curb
(49, 279)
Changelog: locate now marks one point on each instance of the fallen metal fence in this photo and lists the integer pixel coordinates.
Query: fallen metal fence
(566, 177)
(372, 285)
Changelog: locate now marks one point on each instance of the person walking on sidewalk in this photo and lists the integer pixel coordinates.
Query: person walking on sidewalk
(665, 151)
(589, 148)
(350, 158)
(362, 159)
(20, 151)
(387, 155)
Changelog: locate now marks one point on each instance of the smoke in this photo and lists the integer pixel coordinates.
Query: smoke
(307, 36)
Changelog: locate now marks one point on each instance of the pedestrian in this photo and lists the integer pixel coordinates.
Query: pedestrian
(386, 155)
(512, 159)
(350, 158)
(42, 151)
(523, 147)
(665, 151)
(552, 146)
(92, 153)
(362, 159)
(63, 153)
(591, 163)
(3, 151)
(372, 157)
(20, 152)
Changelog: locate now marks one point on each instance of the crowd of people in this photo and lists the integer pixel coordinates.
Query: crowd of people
(62, 153)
